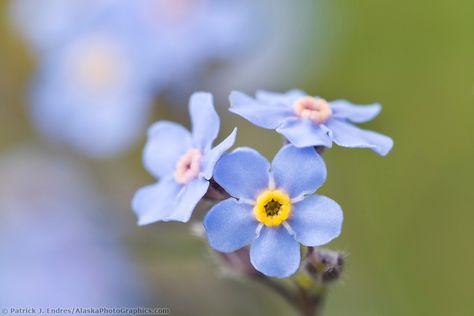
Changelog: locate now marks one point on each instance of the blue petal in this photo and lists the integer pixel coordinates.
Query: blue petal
(187, 200)
(243, 173)
(279, 98)
(230, 225)
(305, 133)
(155, 202)
(348, 135)
(209, 161)
(260, 114)
(298, 171)
(167, 142)
(205, 120)
(275, 253)
(316, 220)
(355, 113)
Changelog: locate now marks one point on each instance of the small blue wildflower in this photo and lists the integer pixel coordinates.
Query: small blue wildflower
(270, 208)
(311, 121)
(183, 161)
(183, 37)
(50, 203)
(45, 24)
(92, 93)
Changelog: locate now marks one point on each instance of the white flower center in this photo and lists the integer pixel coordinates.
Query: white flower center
(317, 110)
(188, 166)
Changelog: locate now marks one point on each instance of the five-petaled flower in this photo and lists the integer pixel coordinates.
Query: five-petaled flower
(270, 208)
(183, 161)
(311, 121)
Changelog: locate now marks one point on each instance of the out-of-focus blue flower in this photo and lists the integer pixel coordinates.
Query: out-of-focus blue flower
(185, 36)
(284, 46)
(94, 92)
(183, 161)
(271, 210)
(180, 38)
(56, 252)
(311, 121)
(47, 23)
(102, 62)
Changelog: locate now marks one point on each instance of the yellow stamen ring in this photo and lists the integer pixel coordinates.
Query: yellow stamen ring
(272, 207)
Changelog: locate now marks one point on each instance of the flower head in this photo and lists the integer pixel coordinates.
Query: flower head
(44, 24)
(49, 203)
(270, 208)
(312, 121)
(92, 93)
(184, 37)
(183, 161)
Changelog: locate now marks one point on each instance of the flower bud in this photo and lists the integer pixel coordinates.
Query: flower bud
(325, 265)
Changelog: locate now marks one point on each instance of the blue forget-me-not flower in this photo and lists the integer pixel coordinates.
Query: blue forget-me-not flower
(184, 36)
(55, 249)
(183, 161)
(311, 121)
(270, 208)
(46, 24)
(93, 92)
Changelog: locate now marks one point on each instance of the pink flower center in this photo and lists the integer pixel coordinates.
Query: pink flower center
(173, 12)
(317, 110)
(188, 166)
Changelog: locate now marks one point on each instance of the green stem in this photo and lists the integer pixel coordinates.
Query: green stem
(304, 301)
(281, 290)
(310, 304)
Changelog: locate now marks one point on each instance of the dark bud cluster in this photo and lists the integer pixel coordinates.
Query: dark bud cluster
(325, 265)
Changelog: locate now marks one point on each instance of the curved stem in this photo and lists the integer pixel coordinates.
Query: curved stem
(310, 304)
(281, 290)
(303, 301)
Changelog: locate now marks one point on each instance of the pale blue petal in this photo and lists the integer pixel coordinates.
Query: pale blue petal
(155, 202)
(275, 253)
(348, 135)
(230, 225)
(316, 220)
(243, 173)
(298, 171)
(167, 142)
(205, 120)
(187, 200)
(305, 133)
(355, 113)
(209, 161)
(286, 98)
(260, 114)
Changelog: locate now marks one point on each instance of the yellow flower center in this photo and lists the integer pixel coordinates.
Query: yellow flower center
(272, 207)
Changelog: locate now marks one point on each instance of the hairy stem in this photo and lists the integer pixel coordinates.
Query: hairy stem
(310, 304)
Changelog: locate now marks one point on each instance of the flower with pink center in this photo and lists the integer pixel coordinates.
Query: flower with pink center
(317, 110)
(307, 121)
(174, 12)
(183, 161)
(183, 38)
(188, 166)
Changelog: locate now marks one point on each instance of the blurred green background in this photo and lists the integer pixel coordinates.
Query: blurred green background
(408, 216)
